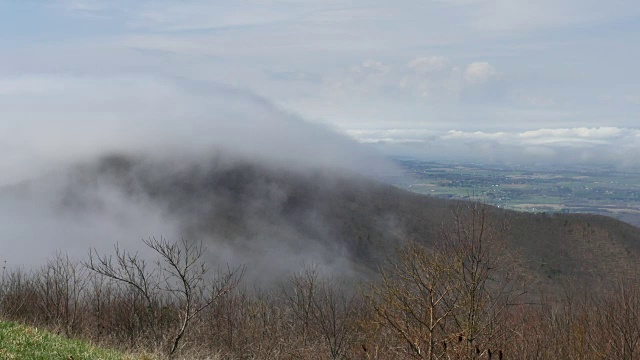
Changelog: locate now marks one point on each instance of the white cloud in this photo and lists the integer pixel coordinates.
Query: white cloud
(371, 67)
(601, 133)
(477, 135)
(534, 100)
(434, 79)
(634, 99)
(479, 72)
(466, 64)
(604, 145)
(194, 15)
(86, 6)
(535, 15)
(429, 64)
(491, 15)
(392, 135)
(57, 120)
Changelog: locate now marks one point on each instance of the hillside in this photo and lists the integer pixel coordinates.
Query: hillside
(273, 218)
(309, 237)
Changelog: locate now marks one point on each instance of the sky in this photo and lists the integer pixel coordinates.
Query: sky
(483, 80)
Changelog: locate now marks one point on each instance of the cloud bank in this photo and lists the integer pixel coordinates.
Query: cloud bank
(483, 80)
(55, 120)
(61, 124)
(611, 146)
(489, 65)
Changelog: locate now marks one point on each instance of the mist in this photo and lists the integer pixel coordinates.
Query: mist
(97, 161)
(55, 121)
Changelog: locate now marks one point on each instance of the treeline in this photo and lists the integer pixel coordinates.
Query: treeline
(464, 296)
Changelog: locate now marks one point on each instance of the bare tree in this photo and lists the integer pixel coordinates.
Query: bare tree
(416, 298)
(299, 295)
(61, 283)
(617, 321)
(487, 281)
(451, 296)
(333, 312)
(180, 273)
(19, 295)
(323, 311)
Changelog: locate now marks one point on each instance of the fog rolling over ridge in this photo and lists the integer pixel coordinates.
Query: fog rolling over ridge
(206, 163)
(60, 121)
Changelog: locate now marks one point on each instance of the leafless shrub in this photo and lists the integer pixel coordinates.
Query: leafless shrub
(459, 297)
(19, 295)
(178, 278)
(617, 322)
(60, 284)
(322, 309)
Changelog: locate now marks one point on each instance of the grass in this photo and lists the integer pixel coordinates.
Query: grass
(28, 343)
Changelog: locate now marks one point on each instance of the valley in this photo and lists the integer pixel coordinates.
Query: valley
(555, 189)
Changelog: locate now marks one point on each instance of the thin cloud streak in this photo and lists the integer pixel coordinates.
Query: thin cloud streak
(605, 145)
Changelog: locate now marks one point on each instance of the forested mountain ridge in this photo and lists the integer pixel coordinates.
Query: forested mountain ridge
(259, 260)
(263, 211)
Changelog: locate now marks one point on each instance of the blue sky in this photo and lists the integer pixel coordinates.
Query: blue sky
(494, 80)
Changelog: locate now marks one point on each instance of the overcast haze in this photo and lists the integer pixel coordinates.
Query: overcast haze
(410, 77)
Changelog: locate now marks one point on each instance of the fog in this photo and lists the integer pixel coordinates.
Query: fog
(93, 162)
(57, 121)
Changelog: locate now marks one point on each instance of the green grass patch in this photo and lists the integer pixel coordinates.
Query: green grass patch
(28, 343)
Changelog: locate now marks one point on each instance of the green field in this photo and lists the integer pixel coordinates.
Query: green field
(577, 189)
(28, 343)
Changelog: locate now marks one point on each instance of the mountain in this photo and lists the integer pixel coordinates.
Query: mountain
(272, 218)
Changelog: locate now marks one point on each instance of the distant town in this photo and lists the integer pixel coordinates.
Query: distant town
(576, 189)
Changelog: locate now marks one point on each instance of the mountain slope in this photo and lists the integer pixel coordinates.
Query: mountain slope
(273, 218)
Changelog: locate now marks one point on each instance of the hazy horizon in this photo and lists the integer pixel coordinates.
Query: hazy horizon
(485, 80)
